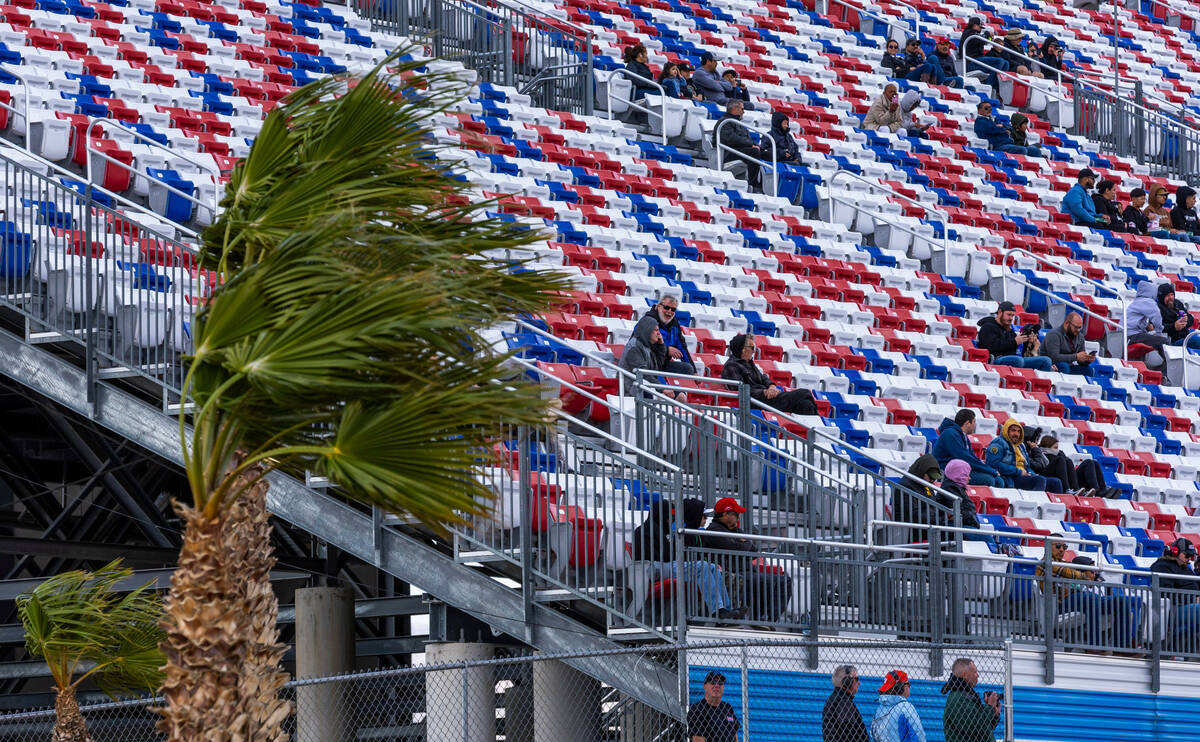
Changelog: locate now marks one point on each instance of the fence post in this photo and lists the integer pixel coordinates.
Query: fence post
(466, 718)
(508, 47)
(814, 605)
(682, 597)
(745, 695)
(745, 457)
(524, 480)
(1049, 612)
(1008, 691)
(1157, 623)
(937, 603)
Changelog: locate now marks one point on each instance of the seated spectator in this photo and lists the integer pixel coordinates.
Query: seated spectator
(677, 360)
(1085, 478)
(739, 91)
(1143, 322)
(672, 82)
(1008, 455)
(764, 594)
(689, 87)
(1079, 205)
(896, 719)
(635, 61)
(737, 137)
(1075, 595)
(786, 147)
(1157, 212)
(1105, 202)
(895, 61)
(1174, 569)
(1183, 215)
(741, 368)
(709, 84)
(998, 136)
(1004, 346)
(958, 476)
(943, 56)
(645, 350)
(981, 56)
(1176, 320)
(952, 443)
(921, 69)
(908, 507)
(1052, 59)
(1020, 135)
(908, 117)
(884, 114)
(1013, 50)
(1064, 347)
(1136, 221)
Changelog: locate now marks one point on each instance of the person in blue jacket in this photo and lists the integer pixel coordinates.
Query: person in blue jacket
(896, 719)
(952, 443)
(1079, 204)
(673, 355)
(999, 137)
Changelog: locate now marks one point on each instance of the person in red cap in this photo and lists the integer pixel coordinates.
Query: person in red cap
(764, 593)
(943, 55)
(896, 718)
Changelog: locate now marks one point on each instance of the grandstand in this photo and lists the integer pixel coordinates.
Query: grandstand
(862, 272)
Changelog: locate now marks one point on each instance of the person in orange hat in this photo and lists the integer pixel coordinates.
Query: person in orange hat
(765, 589)
(896, 718)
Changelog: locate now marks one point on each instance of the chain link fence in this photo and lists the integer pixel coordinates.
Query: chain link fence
(776, 690)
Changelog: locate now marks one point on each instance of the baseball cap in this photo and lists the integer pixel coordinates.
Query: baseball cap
(941, 40)
(707, 57)
(1086, 173)
(686, 67)
(975, 20)
(1006, 306)
(714, 677)
(725, 504)
(893, 679)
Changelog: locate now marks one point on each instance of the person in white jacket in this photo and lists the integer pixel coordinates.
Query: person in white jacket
(1143, 323)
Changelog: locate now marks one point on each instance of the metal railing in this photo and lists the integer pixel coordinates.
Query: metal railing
(1189, 359)
(632, 102)
(721, 148)
(506, 42)
(880, 216)
(911, 27)
(24, 115)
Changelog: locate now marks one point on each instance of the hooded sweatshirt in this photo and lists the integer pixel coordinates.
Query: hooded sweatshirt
(1015, 121)
(1172, 571)
(1142, 314)
(1181, 216)
(746, 372)
(641, 351)
(1008, 459)
(786, 148)
(896, 720)
(651, 541)
(908, 106)
(966, 718)
(952, 443)
(906, 507)
(1079, 205)
(1160, 216)
(1172, 312)
(881, 114)
(1052, 62)
(958, 475)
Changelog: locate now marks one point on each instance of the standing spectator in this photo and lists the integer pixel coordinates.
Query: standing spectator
(908, 117)
(896, 718)
(1183, 216)
(1004, 346)
(1143, 322)
(677, 359)
(713, 88)
(840, 719)
(1157, 212)
(645, 351)
(635, 61)
(1007, 453)
(943, 56)
(1105, 202)
(1085, 478)
(1064, 347)
(1014, 51)
(1020, 135)
(1079, 205)
(786, 148)
(711, 719)
(765, 594)
(998, 136)
(978, 55)
(966, 718)
(741, 368)
(1093, 604)
(1175, 568)
(672, 81)
(884, 114)
(1052, 61)
(1176, 320)
(737, 137)
(895, 61)
(1136, 221)
(952, 443)
(739, 88)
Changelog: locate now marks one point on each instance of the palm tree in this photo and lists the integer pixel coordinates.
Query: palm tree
(83, 627)
(348, 339)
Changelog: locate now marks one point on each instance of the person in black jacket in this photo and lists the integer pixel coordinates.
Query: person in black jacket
(977, 53)
(736, 137)
(1051, 58)
(1176, 321)
(1136, 221)
(1173, 567)
(786, 148)
(1183, 215)
(765, 593)
(673, 353)
(1004, 346)
(840, 719)
(895, 61)
(635, 61)
(741, 367)
(1105, 201)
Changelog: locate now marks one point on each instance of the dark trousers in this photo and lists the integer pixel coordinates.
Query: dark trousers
(795, 402)
(751, 158)
(1087, 475)
(1154, 341)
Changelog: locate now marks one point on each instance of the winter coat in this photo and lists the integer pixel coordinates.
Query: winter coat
(1143, 313)
(674, 86)
(906, 507)
(948, 62)
(1170, 314)
(909, 103)
(971, 44)
(1018, 136)
(641, 352)
(966, 508)
(640, 88)
(1053, 65)
(786, 148)
(733, 134)
(1136, 221)
(1166, 565)
(966, 718)
(880, 114)
(1003, 455)
(896, 720)
(729, 539)
(711, 86)
(1014, 53)
(1060, 347)
(1079, 205)
(952, 443)
(1160, 217)
(1111, 209)
(672, 335)
(897, 63)
(1181, 216)
(651, 541)
(997, 135)
(996, 339)
(748, 373)
(840, 719)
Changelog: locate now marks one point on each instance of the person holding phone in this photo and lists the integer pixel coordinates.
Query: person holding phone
(966, 718)
(1065, 349)
(884, 114)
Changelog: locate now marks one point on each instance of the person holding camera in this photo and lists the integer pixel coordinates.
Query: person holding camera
(966, 718)
(1004, 346)
(739, 88)
(1064, 347)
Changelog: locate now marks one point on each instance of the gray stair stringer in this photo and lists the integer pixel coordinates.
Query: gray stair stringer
(352, 531)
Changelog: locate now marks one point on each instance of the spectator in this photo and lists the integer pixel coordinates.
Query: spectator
(689, 87)
(912, 495)
(1183, 216)
(1004, 346)
(1143, 323)
(895, 61)
(998, 136)
(895, 717)
(1156, 210)
(635, 62)
(1085, 478)
(921, 69)
(654, 542)
(677, 359)
(943, 56)
(645, 350)
(1020, 135)
(1095, 605)
(1136, 221)
(672, 81)
(908, 118)
(713, 88)
(1064, 347)
(1008, 455)
(737, 137)
(764, 594)
(1174, 566)
(840, 719)
(952, 443)
(786, 148)
(1014, 51)
(739, 88)
(741, 368)
(1176, 320)
(1105, 202)
(1052, 59)
(979, 55)
(1079, 206)
(966, 718)
(884, 114)
(958, 476)
(711, 719)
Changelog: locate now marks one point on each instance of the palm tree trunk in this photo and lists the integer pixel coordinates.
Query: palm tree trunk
(69, 725)
(223, 673)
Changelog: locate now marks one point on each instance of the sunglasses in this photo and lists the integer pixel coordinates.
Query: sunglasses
(667, 308)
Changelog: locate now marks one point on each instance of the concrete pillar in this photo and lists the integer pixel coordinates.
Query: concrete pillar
(324, 646)
(458, 708)
(566, 703)
(639, 722)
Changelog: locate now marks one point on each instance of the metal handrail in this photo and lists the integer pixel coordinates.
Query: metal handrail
(1061, 267)
(1010, 52)
(1177, 11)
(916, 20)
(982, 531)
(25, 87)
(1189, 358)
(1077, 307)
(632, 104)
(721, 147)
(945, 240)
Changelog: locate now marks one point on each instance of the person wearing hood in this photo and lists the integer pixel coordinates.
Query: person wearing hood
(1079, 205)
(998, 136)
(735, 136)
(1105, 202)
(884, 114)
(645, 350)
(957, 479)
(1157, 212)
(786, 148)
(1064, 346)
(1052, 59)
(1013, 50)
(1143, 323)
(1183, 216)
(1174, 569)
(1085, 478)
(943, 56)
(741, 368)
(912, 496)
(1176, 321)
(979, 55)
(966, 718)
(908, 117)
(673, 356)
(896, 719)
(764, 594)
(1004, 346)
(953, 443)
(1019, 129)
(1007, 453)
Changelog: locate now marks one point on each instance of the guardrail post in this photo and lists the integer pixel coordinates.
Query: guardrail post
(745, 695)
(1008, 690)
(509, 47)
(1158, 623)
(937, 603)
(814, 605)
(526, 500)
(682, 597)
(745, 459)
(1049, 612)
(91, 359)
